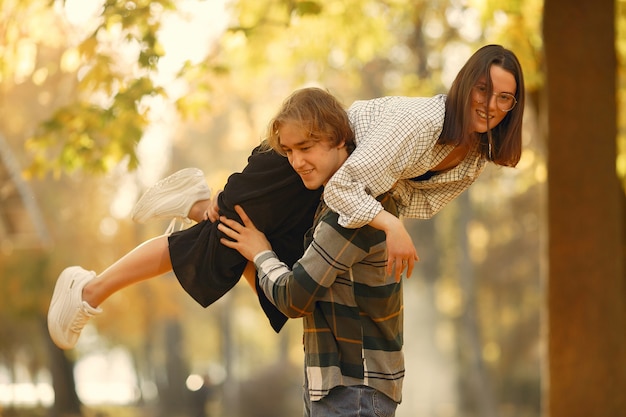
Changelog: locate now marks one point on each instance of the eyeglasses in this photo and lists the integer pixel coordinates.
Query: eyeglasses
(504, 101)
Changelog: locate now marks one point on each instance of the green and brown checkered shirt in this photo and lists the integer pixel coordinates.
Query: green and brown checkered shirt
(353, 311)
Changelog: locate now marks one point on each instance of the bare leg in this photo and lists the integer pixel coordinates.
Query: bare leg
(250, 275)
(148, 260)
(197, 211)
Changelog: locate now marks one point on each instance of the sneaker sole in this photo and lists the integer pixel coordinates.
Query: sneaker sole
(185, 178)
(61, 288)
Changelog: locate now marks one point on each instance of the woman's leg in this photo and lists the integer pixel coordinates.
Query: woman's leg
(198, 211)
(249, 275)
(148, 260)
(78, 292)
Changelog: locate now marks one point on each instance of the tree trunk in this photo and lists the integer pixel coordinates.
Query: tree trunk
(66, 401)
(586, 287)
(173, 393)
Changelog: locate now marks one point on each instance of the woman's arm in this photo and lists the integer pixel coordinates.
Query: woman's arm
(401, 252)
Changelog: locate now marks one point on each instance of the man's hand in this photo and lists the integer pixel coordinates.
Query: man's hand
(246, 238)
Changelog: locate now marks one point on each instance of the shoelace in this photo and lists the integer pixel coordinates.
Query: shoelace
(172, 225)
(81, 319)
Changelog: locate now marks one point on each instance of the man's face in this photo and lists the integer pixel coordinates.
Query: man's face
(314, 160)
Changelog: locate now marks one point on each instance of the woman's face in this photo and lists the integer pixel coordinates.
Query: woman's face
(485, 108)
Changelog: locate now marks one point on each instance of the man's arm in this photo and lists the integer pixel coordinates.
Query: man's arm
(294, 292)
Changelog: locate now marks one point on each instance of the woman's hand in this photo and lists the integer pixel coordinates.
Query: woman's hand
(212, 212)
(246, 238)
(401, 252)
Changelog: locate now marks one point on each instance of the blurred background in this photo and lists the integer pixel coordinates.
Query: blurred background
(99, 99)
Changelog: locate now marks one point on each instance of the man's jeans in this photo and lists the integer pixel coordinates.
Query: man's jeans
(356, 401)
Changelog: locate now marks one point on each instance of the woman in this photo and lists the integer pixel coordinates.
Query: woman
(429, 150)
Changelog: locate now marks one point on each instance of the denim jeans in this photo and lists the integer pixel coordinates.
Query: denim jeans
(354, 401)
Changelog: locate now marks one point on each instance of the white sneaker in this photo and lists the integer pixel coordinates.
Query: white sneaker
(172, 197)
(68, 313)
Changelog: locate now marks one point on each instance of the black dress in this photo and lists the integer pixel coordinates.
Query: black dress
(279, 205)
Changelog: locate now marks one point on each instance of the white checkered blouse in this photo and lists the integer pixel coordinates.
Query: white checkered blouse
(396, 141)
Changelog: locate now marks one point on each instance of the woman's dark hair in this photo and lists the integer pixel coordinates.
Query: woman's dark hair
(503, 143)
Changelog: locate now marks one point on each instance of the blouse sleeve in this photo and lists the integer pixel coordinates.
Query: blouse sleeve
(392, 133)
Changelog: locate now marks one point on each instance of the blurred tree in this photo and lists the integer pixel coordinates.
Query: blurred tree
(96, 103)
(103, 124)
(39, 75)
(395, 48)
(620, 49)
(586, 212)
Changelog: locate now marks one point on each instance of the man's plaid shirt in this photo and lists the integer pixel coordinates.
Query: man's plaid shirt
(396, 141)
(353, 311)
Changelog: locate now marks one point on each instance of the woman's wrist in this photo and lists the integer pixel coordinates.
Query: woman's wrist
(384, 221)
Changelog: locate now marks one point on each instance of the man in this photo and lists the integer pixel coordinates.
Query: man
(352, 309)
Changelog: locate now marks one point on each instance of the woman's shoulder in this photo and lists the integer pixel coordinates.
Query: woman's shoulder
(436, 103)
(418, 109)
(438, 100)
